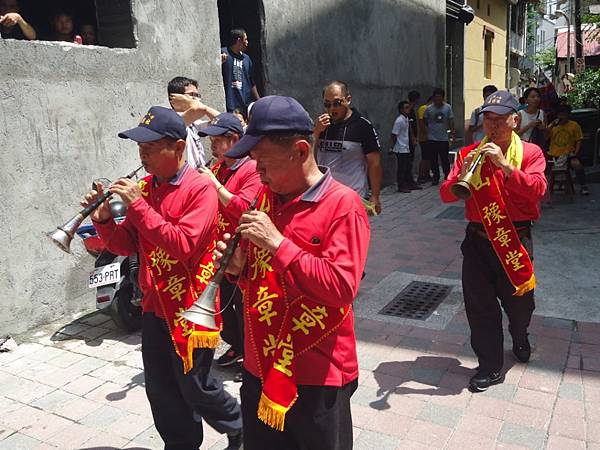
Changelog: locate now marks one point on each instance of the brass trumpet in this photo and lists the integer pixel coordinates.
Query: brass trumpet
(63, 235)
(462, 188)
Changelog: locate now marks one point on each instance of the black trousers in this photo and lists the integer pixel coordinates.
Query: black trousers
(319, 420)
(484, 283)
(179, 402)
(438, 151)
(233, 319)
(404, 170)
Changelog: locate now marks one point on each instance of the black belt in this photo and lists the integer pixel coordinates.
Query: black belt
(523, 228)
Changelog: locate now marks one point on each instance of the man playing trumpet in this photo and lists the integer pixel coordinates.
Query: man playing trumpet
(171, 224)
(506, 185)
(307, 247)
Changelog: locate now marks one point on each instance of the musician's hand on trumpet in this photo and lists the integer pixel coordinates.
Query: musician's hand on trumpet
(237, 261)
(257, 227)
(102, 213)
(496, 156)
(128, 190)
(466, 163)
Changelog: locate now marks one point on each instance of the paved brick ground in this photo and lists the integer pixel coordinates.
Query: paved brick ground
(79, 384)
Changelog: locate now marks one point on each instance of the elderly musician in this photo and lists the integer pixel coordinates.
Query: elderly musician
(506, 188)
(237, 184)
(308, 241)
(171, 223)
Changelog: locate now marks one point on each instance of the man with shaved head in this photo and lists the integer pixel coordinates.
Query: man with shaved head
(348, 144)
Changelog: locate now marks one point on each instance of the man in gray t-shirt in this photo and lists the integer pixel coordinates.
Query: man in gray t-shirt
(437, 120)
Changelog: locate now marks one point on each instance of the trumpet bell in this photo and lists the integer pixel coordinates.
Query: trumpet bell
(203, 311)
(461, 189)
(63, 235)
(61, 239)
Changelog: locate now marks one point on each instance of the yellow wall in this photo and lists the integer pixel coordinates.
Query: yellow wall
(474, 54)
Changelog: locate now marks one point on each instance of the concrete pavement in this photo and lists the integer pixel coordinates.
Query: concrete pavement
(78, 384)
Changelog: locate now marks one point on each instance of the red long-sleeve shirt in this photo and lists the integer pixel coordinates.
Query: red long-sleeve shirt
(244, 183)
(179, 216)
(322, 257)
(525, 187)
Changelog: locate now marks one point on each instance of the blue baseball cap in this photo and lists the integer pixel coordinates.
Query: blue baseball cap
(500, 102)
(224, 123)
(158, 123)
(272, 114)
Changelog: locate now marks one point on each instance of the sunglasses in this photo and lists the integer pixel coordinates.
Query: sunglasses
(334, 104)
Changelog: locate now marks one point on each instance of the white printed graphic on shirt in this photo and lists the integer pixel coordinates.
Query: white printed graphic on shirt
(238, 71)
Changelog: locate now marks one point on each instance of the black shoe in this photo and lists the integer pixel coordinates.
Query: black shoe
(229, 357)
(235, 441)
(435, 182)
(522, 351)
(404, 190)
(415, 187)
(482, 380)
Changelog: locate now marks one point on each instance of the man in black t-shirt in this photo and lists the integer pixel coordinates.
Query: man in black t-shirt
(348, 144)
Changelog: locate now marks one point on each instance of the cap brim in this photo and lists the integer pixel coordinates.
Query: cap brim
(141, 134)
(498, 109)
(243, 146)
(212, 130)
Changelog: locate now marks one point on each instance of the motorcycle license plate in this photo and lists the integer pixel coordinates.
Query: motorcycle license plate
(108, 274)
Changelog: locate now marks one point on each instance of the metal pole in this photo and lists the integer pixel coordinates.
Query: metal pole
(578, 34)
(508, 80)
(568, 44)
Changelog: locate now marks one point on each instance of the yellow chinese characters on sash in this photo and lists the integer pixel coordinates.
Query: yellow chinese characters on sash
(498, 225)
(177, 287)
(280, 329)
(223, 173)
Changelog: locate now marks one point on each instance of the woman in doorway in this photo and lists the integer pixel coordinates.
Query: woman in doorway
(532, 122)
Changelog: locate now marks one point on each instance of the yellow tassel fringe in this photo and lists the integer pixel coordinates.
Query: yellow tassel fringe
(272, 413)
(199, 339)
(526, 287)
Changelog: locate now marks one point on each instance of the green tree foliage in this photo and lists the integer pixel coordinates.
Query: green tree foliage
(586, 89)
(546, 59)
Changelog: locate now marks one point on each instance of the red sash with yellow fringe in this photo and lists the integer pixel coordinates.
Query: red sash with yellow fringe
(177, 288)
(280, 328)
(497, 223)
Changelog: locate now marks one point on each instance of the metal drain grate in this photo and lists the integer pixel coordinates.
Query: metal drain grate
(452, 213)
(417, 300)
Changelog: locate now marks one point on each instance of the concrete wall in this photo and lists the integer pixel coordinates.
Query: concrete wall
(382, 48)
(475, 78)
(61, 107)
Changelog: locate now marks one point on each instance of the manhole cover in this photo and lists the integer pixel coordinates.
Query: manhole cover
(452, 213)
(417, 300)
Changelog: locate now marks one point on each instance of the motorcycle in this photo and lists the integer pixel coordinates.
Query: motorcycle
(115, 277)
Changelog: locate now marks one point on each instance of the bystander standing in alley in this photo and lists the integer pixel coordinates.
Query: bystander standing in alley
(348, 144)
(184, 98)
(565, 142)
(438, 120)
(424, 174)
(236, 67)
(400, 146)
